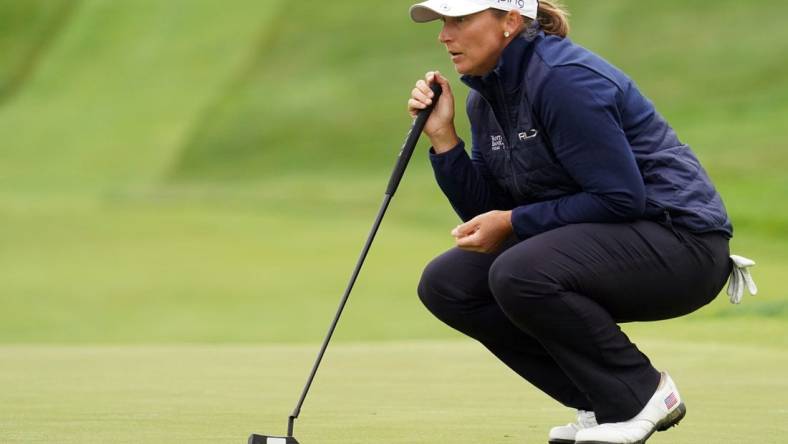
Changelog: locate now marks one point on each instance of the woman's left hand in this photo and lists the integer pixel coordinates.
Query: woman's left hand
(484, 233)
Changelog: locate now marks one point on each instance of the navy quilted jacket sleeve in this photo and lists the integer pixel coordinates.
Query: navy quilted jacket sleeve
(580, 112)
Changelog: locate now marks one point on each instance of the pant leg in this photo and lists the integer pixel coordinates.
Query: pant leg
(454, 287)
(570, 286)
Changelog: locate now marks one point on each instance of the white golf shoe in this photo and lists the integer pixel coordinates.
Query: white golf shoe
(566, 434)
(664, 410)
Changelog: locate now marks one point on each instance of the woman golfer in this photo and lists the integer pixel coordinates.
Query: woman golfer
(582, 209)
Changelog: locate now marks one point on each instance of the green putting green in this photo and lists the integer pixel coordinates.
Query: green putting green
(395, 393)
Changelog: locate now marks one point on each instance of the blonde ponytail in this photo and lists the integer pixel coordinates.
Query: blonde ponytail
(553, 18)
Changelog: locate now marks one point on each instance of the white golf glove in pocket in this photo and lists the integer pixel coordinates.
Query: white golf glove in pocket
(740, 277)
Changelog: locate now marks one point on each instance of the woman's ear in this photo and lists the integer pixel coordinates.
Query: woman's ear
(513, 22)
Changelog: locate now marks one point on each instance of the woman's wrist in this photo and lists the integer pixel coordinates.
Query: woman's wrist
(444, 140)
(506, 220)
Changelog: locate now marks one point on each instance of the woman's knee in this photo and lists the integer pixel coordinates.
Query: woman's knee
(452, 282)
(518, 281)
(433, 286)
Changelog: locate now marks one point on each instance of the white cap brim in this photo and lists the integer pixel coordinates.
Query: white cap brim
(435, 9)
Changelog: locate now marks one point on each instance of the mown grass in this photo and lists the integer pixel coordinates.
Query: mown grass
(208, 266)
(402, 392)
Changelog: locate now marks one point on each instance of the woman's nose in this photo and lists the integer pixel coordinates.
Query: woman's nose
(444, 36)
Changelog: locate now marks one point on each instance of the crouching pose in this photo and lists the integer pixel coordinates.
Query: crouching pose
(582, 209)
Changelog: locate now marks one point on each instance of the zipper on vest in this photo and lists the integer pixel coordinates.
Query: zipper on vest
(507, 148)
(509, 138)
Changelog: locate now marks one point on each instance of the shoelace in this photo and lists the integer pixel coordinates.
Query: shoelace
(586, 419)
(740, 277)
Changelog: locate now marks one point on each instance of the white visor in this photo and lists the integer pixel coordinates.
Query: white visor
(435, 9)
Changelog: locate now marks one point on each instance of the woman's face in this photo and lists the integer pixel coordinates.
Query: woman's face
(475, 41)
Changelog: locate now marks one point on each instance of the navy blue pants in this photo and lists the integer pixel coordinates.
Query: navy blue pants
(549, 306)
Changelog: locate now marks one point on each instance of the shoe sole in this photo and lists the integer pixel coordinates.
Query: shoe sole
(672, 420)
(561, 441)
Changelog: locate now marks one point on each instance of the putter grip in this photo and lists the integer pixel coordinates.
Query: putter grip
(410, 143)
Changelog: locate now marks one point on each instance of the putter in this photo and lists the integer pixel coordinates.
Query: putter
(396, 176)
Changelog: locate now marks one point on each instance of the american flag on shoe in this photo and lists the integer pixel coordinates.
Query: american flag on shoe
(671, 400)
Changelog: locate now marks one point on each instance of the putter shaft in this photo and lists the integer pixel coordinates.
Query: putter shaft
(396, 176)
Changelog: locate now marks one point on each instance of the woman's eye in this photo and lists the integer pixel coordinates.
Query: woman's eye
(454, 19)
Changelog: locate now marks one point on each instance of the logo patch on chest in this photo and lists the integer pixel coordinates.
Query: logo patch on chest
(530, 134)
(497, 142)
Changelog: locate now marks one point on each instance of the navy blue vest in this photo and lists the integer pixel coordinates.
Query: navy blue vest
(508, 137)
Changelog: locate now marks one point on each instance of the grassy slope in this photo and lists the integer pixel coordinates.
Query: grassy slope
(406, 392)
(326, 92)
(242, 240)
(220, 271)
(26, 30)
(117, 91)
(284, 113)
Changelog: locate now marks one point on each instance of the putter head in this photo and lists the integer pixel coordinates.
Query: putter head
(261, 439)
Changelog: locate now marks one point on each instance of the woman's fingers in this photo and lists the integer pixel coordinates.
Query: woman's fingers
(413, 103)
(466, 229)
(424, 87)
(470, 242)
(440, 124)
(421, 96)
(438, 78)
(414, 106)
(484, 233)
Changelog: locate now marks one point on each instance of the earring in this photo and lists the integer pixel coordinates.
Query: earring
(506, 34)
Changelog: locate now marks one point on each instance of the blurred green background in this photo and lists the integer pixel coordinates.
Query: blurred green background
(185, 186)
(207, 171)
